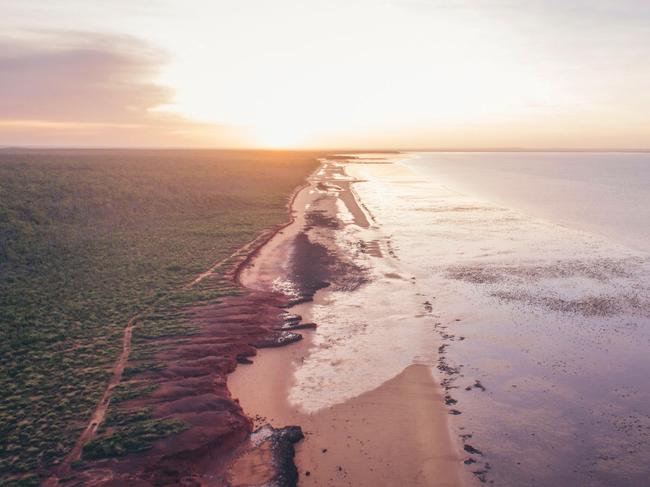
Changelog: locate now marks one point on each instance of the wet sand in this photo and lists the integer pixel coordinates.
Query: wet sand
(393, 433)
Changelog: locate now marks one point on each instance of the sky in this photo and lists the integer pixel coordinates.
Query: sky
(418, 74)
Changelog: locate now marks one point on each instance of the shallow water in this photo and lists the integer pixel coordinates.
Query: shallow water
(539, 288)
(603, 193)
(356, 328)
(531, 272)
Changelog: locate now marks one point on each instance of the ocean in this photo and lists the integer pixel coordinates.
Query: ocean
(523, 281)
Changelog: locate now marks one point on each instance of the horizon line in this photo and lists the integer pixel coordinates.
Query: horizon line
(340, 149)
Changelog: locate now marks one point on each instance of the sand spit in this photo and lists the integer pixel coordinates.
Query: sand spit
(393, 434)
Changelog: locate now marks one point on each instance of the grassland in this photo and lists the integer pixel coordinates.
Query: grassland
(89, 239)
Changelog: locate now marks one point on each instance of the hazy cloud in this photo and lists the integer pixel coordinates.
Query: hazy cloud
(68, 87)
(81, 78)
(312, 72)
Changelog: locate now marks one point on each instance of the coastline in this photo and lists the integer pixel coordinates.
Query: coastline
(191, 389)
(480, 296)
(394, 433)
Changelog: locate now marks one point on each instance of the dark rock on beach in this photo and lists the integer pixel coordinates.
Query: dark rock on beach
(301, 326)
(243, 359)
(471, 450)
(277, 340)
(290, 319)
(283, 449)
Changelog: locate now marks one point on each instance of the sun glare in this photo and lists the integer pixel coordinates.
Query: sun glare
(278, 136)
(293, 94)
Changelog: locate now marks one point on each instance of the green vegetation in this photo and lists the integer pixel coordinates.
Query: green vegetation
(120, 418)
(30, 480)
(131, 439)
(89, 239)
(126, 391)
(125, 429)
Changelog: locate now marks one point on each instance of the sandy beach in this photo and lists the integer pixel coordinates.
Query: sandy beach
(394, 433)
(467, 331)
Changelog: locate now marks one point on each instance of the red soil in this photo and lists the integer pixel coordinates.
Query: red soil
(191, 388)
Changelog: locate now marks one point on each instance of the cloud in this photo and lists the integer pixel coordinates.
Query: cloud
(88, 89)
(82, 78)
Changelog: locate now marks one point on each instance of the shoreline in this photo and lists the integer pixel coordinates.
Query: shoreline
(358, 441)
(272, 233)
(192, 389)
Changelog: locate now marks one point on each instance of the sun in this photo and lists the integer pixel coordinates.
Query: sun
(279, 136)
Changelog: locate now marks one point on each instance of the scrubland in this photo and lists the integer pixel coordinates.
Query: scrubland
(90, 238)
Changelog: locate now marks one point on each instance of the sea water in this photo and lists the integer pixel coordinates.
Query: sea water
(523, 280)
